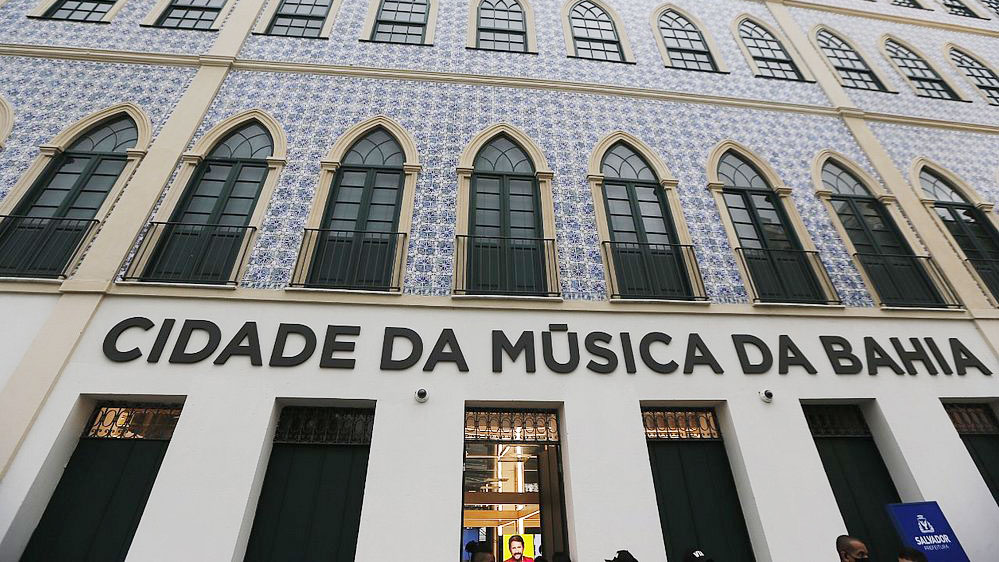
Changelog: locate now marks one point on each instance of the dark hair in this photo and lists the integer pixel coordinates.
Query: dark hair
(911, 554)
(843, 542)
(517, 538)
(483, 557)
(561, 557)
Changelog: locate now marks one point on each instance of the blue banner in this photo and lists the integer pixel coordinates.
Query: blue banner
(923, 526)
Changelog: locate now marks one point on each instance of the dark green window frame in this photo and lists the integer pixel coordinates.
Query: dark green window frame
(503, 33)
(923, 77)
(594, 34)
(772, 59)
(853, 70)
(978, 427)
(199, 15)
(299, 18)
(84, 11)
(402, 21)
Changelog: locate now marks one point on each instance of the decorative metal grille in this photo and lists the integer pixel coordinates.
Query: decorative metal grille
(836, 421)
(132, 421)
(680, 423)
(924, 78)
(973, 419)
(511, 426)
(305, 425)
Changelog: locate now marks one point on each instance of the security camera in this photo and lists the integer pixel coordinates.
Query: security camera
(767, 395)
(422, 395)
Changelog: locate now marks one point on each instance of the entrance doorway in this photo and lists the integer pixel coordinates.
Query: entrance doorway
(513, 505)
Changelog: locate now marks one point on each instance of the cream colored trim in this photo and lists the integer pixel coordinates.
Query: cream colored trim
(930, 21)
(882, 46)
(957, 70)
(709, 39)
(814, 37)
(783, 192)
(962, 187)
(6, 120)
(158, 8)
(223, 14)
(471, 34)
(622, 32)
(44, 6)
(368, 29)
(792, 52)
(270, 10)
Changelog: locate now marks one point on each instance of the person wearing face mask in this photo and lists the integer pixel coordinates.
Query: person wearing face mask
(851, 549)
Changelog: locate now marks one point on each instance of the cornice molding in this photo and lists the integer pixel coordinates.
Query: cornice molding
(99, 55)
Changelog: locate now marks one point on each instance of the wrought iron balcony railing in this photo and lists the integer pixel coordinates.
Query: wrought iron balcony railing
(495, 265)
(41, 247)
(787, 276)
(910, 281)
(174, 252)
(350, 259)
(653, 271)
(988, 271)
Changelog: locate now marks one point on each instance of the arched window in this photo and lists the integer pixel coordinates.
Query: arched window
(358, 244)
(401, 21)
(908, 4)
(780, 270)
(685, 43)
(594, 34)
(505, 250)
(851, 67)
(974, 233)
(927, 82)
(771, 59)
(646, 257)
(79, 10)
(45, 229)
(501, 26)
(981, 75)
(191, 14)
(209, 228)
(992, 4)
(897, 274)
(957, 8)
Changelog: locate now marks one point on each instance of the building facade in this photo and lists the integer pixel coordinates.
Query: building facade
(373, 279)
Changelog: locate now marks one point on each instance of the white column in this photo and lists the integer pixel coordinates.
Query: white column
(610, 496)
(197, 509)
(920, 445)
(412, 495)
(789, 506)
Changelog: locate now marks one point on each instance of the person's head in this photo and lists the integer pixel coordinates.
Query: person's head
(851, 549)
(540, 559)
(908, 554)
(517, 547)
(483, 557)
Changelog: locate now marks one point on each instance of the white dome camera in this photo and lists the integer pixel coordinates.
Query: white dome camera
(422, 395)
(767, 395)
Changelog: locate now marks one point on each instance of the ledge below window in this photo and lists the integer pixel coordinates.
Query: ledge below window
(343, 291)
(508, 298)
(177, 285)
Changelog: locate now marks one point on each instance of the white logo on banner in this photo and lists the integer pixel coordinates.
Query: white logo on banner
(925, 526)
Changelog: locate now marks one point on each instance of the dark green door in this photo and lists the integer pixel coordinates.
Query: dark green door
(698, 502)
(979, 430)
(977, 238)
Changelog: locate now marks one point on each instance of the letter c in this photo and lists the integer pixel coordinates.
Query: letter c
(111, 350)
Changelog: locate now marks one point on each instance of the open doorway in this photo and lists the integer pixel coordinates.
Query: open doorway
(513, 503)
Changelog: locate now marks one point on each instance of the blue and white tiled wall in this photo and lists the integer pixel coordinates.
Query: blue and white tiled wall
(49, 95)
(316, 110)
(933, 11)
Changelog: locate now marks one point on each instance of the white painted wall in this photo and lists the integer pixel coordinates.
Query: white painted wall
(23, 316)
(206, 489)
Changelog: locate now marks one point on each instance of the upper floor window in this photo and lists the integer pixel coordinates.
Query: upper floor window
(501, 26)
(401, 21)
(992, 4)
(772, 60)
(967, 224)
(981, 75)
(685, 43)
(899, 276)
(594, 34)
(299, 18)
(80, 10)
(647, 260)
(957, 8)
(851, 67)
(191, 14)
(927, 82)
(907, 4)
(47, 226)
(779, 269)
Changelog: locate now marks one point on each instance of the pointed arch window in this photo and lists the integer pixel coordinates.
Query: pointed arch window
(927, 82)
(958, 8)
(644, 250)
(981, 75)
(967, 224)
(358, 245)
(594, 33)
(505, 251)
(401, 21)
(47, 227)
(80, 10)
(908, 4)
(772, 60)
(209, 229)
(501, 26)
(853, 70)
(685, 43)
(779, 268)
(899, 276)
(992, 5)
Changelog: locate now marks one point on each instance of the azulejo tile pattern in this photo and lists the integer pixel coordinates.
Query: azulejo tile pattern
(934, 11)
(49, 95)
(450, 54)
(932, 42)
(316, 110)
(123, 33)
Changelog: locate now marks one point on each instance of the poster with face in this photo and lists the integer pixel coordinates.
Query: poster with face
(520, 548)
